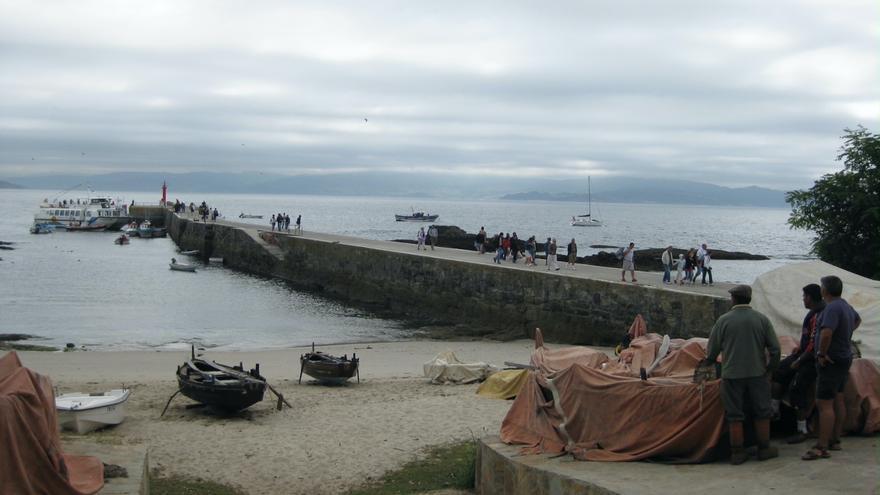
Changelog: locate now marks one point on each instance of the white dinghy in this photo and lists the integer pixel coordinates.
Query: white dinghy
(83, 413)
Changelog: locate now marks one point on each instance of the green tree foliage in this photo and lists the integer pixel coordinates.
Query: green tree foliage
(843, 208)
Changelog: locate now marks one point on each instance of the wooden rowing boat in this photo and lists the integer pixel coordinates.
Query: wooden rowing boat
(228, 388)
(329, 369)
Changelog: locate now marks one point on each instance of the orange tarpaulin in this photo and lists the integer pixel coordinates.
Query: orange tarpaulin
(30, 448)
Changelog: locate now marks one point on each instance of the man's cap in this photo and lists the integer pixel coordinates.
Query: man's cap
(741, 291)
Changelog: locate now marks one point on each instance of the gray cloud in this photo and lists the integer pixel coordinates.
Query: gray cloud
(737, 94)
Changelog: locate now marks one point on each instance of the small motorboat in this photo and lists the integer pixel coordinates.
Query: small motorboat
(86, 228)
(121, 240)
(145, 229)
(42, 228)
(328, 369)
(181, 267)
(416, 216)
(228, 388)
(83, 413)
(192, 252)
(245, 215)
(131, 230)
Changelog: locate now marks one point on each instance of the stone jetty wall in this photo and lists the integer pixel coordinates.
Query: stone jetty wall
(479, 298)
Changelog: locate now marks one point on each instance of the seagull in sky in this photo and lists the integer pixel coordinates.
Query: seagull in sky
(365, 121)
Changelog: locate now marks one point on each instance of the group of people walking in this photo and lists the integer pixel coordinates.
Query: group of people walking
(429, 236)
(697, 262)
(814, 375)
(282, 222)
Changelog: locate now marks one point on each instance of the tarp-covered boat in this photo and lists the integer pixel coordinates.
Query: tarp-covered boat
(447, 368)
(327, 368)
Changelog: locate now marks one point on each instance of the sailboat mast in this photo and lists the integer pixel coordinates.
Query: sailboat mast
(589, 199)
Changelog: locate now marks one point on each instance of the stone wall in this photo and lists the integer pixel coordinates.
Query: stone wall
(480, 298)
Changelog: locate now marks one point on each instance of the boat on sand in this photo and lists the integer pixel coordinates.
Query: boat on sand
(228, 388)
(83, 413)
(329, 369)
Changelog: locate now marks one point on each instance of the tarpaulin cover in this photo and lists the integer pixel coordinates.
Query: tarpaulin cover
(504, 384)
(604, 412)
(30, 448)
(862, 396)
(552, 360)
(777, 294)
(602, 417)
(446, 368)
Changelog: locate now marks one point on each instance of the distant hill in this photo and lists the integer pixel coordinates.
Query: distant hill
(605, 189)
(666, 191)
(9, 185)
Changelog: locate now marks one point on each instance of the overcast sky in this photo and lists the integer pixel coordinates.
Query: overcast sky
(735, 93)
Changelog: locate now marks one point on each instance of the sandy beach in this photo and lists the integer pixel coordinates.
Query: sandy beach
(333, 439)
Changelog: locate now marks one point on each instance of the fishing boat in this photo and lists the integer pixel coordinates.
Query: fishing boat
(121, 240)
(181, 267)
(89, 211)
(42, 228)
(130, 229)
(145, 229)
(586, 220)
(83, 413)
(416, 216)
(86, 228)
(245, 215)
(329, 369)
(228, 388)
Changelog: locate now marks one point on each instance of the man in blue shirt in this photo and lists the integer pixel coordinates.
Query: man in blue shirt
(833, 358)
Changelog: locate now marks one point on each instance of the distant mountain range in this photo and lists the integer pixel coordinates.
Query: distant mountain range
(604, 189)
(9, 185)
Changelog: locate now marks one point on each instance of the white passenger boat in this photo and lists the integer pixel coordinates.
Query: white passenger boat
(83, 413)
(83, 212)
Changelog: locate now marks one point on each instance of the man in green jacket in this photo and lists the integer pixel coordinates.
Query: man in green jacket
(744, 337)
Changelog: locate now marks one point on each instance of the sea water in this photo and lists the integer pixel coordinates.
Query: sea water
(83, 289)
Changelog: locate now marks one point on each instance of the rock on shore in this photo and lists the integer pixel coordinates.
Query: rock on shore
(646, 259)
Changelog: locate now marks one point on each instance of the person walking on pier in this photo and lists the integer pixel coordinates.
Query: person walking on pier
(531, 250)
(299, 224)
(272, 221)
(432, 235)
(514, 246)
(547, 253)
(421, 238)
(572, 254)
(679, 267)
(834, 355)
(629, 262)
(480, 242)
(551, 256)
(666, 260)
(745, 338)
(707, 267)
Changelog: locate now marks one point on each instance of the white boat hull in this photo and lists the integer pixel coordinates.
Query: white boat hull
(586, 223)
(182, 268)
(83, 413)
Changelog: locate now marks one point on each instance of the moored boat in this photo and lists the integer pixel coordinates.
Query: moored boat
(329, 369)
(416, 216)
(86, 228)
(90, 211)
(83, 413)
(145, 229)
(228, 388)
(245, 215)
(181, 267)
(42, 228)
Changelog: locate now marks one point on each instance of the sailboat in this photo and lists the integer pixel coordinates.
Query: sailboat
(586, 220)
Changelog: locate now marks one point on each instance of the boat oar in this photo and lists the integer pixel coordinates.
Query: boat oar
(169, 402)
(280, 397)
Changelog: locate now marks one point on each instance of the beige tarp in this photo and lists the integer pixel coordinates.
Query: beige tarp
(599, 410)
(30, 448)
(777, 294)
(446, 368)
(504, 384)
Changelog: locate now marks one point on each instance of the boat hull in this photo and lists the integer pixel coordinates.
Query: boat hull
(225, 395)
(335, 372)
(84, 419)
(411, 218)
(182, 268)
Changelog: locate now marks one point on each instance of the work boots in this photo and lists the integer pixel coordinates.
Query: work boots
(762, 432)
(738, 454)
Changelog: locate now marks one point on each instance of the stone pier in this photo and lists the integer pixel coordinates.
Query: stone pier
(588, 306)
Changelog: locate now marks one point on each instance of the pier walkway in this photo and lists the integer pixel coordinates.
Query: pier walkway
(645, 279)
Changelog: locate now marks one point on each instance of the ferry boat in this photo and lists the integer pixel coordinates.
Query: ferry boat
(89, 212)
